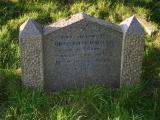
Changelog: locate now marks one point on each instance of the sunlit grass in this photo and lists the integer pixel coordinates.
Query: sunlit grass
(141, 102)
(89, 103)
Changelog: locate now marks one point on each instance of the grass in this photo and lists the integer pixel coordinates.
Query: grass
(141, 102)
(89, 103)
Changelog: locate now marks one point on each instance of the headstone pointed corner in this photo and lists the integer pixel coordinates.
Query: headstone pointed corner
(31, 26)
(131, 24)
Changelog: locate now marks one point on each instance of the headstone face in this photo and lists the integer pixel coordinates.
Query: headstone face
(78, 52)
(82, 53)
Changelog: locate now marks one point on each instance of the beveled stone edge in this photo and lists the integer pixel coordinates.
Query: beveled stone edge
(76, 18)
(28, 34)
(126, 28)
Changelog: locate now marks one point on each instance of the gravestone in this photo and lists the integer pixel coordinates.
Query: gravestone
(81, 51)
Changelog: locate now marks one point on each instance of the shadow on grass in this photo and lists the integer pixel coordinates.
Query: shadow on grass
(152, 5)
(10, 10)
(9, 81)
(19, 102)
(151, 67)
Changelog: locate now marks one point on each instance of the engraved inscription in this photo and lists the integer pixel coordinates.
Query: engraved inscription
(86, 53)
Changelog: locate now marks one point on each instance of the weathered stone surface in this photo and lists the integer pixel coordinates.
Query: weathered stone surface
(30, 38)
(86, 52)
(81, 51)
(132, 52)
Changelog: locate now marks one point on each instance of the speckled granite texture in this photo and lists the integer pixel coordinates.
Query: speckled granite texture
(30, 38)
(132, 52)
(81, 51)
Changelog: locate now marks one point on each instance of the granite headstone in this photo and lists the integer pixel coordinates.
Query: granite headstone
(81, 51)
